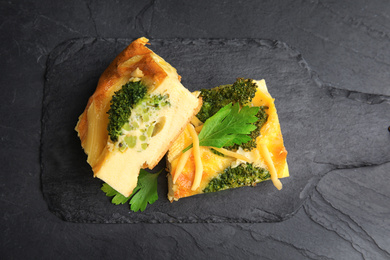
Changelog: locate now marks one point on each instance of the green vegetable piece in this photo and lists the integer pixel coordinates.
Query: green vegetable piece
(145, 192)
(135, 125)
(131, 94)
(131, 141)
(242, 91)
(122, 147)
(242, 175)
(126, 126)
(122, 102)
(144, 146)
(228, 126)
(118, 198)
(150, 130)
(142, 137)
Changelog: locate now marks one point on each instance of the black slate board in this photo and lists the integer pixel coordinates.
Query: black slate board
(323, 128)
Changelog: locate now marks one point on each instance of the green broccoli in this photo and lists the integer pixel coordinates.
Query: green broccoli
(242, 91)
(242, 175)
(121, 103)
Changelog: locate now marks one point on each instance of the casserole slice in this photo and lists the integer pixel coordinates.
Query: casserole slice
(134, 116)
(263, 158)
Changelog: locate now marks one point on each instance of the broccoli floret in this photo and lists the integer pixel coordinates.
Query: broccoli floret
(242, 175)
(242, 91)
(121, 103)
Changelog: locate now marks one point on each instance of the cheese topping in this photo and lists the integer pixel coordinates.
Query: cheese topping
(271, 167)
(196, 122)
(252, 156)
(182, 160)
(198, 128)
(180, 165)
(270, 154)
(232, 154)
(198, 160)
(137, 73)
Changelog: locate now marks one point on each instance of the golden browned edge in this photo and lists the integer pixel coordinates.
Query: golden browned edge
(196, 110)
(152, 71)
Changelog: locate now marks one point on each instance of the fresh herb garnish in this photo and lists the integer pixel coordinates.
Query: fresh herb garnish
(145, 192)
(230, 125)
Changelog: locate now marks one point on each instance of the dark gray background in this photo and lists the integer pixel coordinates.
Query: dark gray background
(346, 43)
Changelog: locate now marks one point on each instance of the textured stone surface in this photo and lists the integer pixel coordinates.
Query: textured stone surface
(345, 42)
(323, 128)
(355, 206)
(352, 35)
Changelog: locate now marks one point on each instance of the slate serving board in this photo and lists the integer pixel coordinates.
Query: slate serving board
(324, 129)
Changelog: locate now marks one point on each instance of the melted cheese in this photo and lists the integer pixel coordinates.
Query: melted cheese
(198, 160)
(196, 122)
(198, 128)
(183, 157)
(271, 167)
(232, 154)
(252, 156)
(214, 164)
(180, 165)
(270, 133)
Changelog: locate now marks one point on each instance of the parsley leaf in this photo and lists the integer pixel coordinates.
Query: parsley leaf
(230, 125)
(145, 192)
(118, 198)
